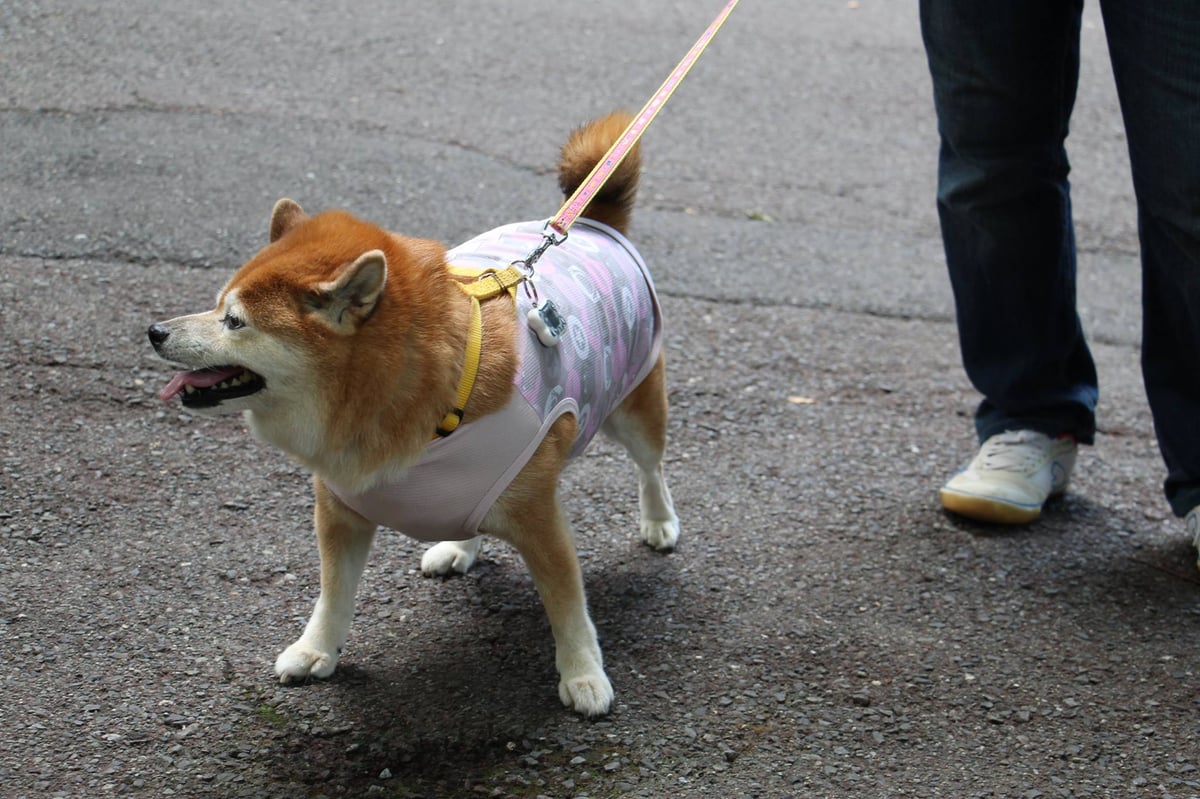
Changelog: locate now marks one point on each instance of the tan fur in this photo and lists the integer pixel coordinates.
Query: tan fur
(359, 335)
(613, 203)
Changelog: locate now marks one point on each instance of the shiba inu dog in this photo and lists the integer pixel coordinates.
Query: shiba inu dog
(408, 380)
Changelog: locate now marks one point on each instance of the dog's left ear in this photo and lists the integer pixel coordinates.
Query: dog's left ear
(351, 297)
(284, 216)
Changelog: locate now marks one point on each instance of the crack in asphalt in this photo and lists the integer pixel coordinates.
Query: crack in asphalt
(123, 256)
(745, 301)
(849, 191)
(142, 105)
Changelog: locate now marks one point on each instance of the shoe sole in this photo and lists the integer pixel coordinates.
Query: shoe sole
(987, 509)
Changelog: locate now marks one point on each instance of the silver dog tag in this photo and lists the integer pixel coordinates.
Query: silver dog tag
(546, 322)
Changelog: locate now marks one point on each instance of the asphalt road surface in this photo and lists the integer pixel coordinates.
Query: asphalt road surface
(822, 630)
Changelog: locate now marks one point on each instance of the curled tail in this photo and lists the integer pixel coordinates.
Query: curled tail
(586, 145)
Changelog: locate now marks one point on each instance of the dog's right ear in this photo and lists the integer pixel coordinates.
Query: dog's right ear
(285, 216)
(350, 298)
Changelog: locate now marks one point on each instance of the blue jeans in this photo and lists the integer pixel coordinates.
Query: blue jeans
(1004, 76)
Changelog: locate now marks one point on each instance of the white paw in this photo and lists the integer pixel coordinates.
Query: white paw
(301, 662)
(589, 695)
(661, 535)
(448, 557)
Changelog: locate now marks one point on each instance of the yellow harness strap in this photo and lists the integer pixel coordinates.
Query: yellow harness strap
(485, 285)
(488, 283)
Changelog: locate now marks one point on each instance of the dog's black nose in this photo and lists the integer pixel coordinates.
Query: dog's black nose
(158, 333)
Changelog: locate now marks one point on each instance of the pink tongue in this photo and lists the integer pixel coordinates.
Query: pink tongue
(201, 378)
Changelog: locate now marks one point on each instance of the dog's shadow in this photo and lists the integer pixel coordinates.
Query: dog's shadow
(460, 691)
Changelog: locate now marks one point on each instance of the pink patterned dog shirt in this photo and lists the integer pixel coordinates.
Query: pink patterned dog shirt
(602, 289)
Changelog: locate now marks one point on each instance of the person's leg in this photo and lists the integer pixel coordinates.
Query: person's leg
(1004, 77)
(1155, 49)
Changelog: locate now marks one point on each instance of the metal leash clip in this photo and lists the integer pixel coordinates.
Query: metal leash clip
(543, 318)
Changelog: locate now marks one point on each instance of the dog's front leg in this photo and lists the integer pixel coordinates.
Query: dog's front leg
(344, 540)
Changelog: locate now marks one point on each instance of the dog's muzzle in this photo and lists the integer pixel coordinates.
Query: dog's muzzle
(207, 387)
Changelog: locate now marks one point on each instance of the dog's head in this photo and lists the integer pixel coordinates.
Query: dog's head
(331, 340)
(279, 317)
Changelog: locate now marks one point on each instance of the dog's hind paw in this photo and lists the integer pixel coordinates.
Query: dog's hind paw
(449, 557)
(591, 695)
(301, 662)
(659, 534)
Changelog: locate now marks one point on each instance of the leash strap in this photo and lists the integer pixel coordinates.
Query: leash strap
(494, 282)
(575, 204)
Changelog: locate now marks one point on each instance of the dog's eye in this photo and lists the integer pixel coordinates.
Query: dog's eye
(232, 322)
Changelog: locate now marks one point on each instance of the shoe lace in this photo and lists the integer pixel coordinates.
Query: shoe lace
(1012, 452)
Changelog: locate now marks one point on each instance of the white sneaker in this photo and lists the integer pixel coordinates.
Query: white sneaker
(1193, 527)
(1012, 477)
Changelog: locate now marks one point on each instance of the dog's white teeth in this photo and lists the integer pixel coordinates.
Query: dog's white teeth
(227, 384)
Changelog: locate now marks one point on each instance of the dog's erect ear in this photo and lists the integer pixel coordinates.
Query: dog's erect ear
(285, 216)
(351, 297)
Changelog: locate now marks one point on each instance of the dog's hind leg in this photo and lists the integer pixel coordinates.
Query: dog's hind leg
(640, 425)
(450, 557)
(344, 539)
(529, 516)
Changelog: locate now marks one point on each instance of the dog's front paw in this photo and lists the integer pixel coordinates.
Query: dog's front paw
(301, 662)
(589, 695)
(661, 534)
(449, 557)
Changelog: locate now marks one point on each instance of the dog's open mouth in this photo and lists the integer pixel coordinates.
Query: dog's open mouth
(204, 388)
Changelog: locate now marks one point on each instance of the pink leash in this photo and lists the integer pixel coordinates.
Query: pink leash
(575, 204)
(544, 318)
